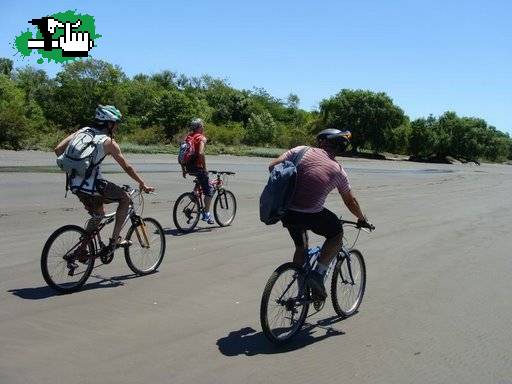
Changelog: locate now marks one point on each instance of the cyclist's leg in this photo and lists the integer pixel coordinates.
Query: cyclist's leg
(94, 206)
(325, 223)
(203, 178)
(204, 181)
(299, 235)
(308, 221)
(112, 193)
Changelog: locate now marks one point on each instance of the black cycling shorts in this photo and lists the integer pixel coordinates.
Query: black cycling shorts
(204, 181)
(109, 193)
(323, 223)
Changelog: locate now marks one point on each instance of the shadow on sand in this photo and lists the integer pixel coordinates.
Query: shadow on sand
(44, 292)
(177, 233)
(248, 342)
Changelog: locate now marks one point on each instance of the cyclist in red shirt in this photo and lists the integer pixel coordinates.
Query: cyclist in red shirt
(197, 166)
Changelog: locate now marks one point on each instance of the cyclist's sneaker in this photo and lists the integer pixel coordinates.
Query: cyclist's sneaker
(316, 282)
(207, 216)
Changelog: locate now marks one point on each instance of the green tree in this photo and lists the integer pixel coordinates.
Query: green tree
(261, 129)
(422, 139)
(81, 86)
(14, 125)
(173, 110)
(5, 66)
(368, 115)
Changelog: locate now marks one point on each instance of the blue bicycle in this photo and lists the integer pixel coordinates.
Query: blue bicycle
(287, 296)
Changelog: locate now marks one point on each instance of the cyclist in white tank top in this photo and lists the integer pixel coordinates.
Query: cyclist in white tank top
(96, 191)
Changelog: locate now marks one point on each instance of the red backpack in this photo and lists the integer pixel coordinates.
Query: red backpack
(187, 152)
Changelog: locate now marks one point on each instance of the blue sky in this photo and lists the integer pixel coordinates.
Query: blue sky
(428, 56)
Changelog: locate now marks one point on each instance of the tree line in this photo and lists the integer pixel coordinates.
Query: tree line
(36, 111)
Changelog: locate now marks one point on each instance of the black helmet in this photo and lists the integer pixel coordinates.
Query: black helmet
(334, 138)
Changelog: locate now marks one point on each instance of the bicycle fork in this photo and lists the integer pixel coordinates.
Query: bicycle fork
(345, 256)
(141, 232)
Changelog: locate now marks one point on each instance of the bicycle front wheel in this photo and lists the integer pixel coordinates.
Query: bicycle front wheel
(67, 259)
(186, 212)
(147, 250)
(284, 304)
(348, 284)
(224, 208)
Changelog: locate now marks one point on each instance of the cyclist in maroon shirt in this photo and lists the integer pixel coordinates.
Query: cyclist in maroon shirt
(318, 173)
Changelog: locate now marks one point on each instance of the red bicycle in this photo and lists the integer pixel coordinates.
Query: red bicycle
(190, 205)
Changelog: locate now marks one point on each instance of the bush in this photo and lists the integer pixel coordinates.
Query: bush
(15, 127)
(147, 136)
(231, 134)
(261, 129)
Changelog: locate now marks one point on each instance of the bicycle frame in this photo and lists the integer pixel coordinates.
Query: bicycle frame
(109, 218)
(217, 185)
(311, 256)
(311, 260)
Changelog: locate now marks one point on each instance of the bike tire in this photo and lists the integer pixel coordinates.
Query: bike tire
(225, 200)
(51, 247)
(190, 212)
(135, 254)
(341, 284)
(268, 330)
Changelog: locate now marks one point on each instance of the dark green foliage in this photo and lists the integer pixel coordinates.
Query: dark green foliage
(465, 138)
(37, 112)
(370, 116)
(5, 66)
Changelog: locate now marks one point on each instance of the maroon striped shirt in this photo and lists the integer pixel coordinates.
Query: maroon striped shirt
(317, 176)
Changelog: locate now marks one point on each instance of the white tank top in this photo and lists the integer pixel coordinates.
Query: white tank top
(90, 183)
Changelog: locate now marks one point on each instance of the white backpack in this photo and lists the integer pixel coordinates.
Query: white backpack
(78, 158)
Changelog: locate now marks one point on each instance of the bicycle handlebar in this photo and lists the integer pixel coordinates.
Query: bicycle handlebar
(359, 225)
(127, 188)
(221, 172)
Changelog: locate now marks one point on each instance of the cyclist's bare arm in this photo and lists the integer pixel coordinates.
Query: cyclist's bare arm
(201, 153)
(61, 147)
(274, 162)
(352, 205)
(112, 148)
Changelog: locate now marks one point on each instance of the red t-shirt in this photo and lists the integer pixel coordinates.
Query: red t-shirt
(196, 140)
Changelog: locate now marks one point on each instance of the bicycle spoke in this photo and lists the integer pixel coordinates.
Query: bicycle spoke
(348, 284)
(65, 264)
(285, 310)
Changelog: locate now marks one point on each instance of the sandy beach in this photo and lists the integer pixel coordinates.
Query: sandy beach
(437, 308)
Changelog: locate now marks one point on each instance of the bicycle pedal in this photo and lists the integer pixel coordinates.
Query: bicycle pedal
(72, 268)
(318, 305)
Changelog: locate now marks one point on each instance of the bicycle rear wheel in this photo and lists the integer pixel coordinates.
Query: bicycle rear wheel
(284, 304)
(224, 208)
(186, 212)
(348, 284)
(67, 263)
(144, 256)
